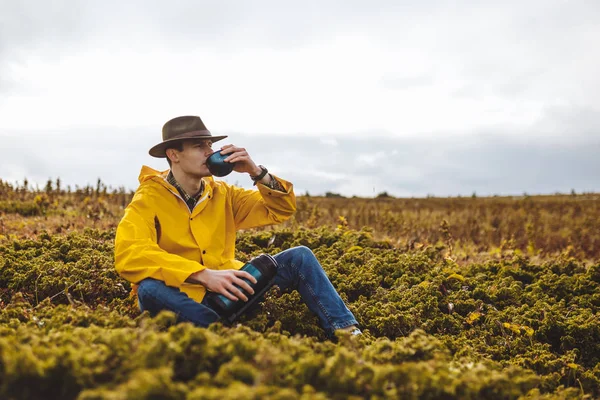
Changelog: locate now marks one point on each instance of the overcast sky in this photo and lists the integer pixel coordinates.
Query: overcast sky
(354, 97)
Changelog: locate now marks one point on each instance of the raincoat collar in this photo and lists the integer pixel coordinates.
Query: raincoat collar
(148, 174)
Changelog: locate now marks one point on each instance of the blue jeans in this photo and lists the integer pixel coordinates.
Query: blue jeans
(298, 269)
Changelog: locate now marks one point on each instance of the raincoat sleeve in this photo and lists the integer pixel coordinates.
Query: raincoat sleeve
(266, 206)
(137, 254)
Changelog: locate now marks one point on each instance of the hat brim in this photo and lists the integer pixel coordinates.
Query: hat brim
(159, 151)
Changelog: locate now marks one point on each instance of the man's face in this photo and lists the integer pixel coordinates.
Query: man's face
(192, 160)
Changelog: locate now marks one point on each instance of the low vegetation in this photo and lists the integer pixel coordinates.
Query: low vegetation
(452, 304)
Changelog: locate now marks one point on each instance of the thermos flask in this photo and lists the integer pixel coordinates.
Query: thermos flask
(263, 268)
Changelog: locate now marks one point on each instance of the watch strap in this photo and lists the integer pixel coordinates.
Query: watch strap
(261, 175)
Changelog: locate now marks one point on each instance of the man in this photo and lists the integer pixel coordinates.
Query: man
(177, 237)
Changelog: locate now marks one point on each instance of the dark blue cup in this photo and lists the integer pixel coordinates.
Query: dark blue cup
(217, 165)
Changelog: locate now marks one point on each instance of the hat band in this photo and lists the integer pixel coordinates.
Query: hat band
(192, 134)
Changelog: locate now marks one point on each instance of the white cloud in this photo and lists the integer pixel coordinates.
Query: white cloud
(370, 159)
(329, 141)
(401, 69)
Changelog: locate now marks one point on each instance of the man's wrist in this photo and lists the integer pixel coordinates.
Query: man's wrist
(256, 172)
(260, 176)
(197, 277)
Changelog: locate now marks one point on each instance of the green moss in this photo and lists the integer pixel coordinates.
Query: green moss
(433, 328)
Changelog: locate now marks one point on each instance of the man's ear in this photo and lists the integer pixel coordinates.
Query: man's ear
(172, 155)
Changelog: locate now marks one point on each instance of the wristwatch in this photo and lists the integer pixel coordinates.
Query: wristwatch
(261, 175)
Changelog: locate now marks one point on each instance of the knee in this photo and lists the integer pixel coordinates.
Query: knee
(303, 252)
(304, 258)
(296, 258)
(147, 287)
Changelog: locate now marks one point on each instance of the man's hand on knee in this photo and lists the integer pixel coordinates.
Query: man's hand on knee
(224, 282)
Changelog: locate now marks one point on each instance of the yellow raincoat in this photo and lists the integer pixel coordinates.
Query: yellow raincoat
(160, 238)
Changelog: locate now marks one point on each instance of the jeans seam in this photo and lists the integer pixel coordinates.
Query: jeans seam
(313, 294)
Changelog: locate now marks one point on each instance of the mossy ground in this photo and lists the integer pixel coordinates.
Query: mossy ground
(433, 329)
(500, 323)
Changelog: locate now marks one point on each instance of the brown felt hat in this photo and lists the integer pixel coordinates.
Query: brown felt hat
(182, 128)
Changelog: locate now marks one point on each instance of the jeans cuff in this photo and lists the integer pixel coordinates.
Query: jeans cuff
(341, 325)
